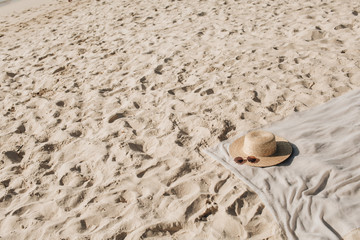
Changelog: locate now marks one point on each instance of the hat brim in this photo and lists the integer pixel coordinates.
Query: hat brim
(283, 152)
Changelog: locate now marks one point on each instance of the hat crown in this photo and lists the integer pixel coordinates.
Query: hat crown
(259, 143)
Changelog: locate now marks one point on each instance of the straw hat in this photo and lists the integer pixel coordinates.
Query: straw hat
(267, 148)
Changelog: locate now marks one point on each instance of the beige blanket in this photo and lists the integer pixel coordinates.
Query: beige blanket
(316, 193)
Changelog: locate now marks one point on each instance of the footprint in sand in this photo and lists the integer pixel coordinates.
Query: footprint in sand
(162, 229)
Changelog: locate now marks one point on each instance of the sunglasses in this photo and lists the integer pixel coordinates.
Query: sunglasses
(251, 159)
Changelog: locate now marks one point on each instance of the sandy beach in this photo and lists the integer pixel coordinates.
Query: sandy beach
(106, 107)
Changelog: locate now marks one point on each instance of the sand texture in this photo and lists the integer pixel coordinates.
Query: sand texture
(106, 106)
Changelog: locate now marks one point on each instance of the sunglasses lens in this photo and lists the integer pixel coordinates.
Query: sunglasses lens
(239, 160)
(252, 159)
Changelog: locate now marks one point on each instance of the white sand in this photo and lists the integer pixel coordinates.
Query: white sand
(105, 106)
